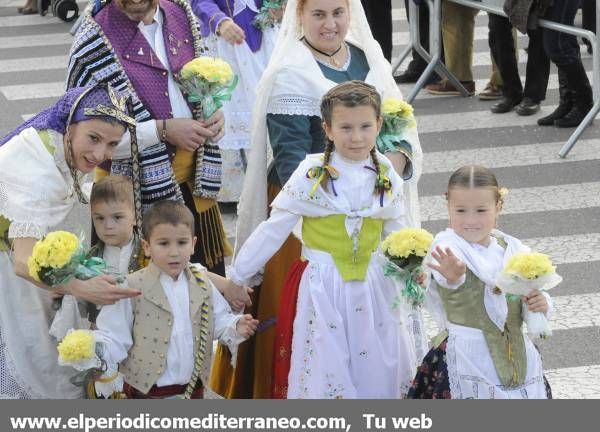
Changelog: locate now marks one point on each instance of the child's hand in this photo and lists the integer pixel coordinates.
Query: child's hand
(246, 326)
(449, 266)
(237, 296)
(421, 279)
(536, 301)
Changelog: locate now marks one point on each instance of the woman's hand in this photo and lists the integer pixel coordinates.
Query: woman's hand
(190, 134)
(536, 301)
(277, 14)
(216, 124)
(238, 296)
(101, 290)
(398, 160)
(231, 32)
(450, 266)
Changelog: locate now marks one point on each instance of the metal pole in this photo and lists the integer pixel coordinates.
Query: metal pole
(434, 59)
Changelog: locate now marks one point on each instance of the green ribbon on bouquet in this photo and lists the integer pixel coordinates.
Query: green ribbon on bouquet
(210, 100)
(413, 292)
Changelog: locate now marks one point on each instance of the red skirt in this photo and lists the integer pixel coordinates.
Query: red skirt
(282, 351)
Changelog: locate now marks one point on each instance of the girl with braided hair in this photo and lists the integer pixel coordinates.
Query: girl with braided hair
(348, 340)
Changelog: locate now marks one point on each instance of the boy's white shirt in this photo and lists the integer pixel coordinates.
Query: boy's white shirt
(115, 324)
(117, 258)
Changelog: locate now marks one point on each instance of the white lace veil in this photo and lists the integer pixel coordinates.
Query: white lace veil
(292, 59)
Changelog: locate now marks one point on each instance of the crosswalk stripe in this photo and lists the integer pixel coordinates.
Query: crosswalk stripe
(508, 156)
(37, 63)
(30, 41)
(33, 91)
(27, 20)
(480, 85)
(574, 382)
(575, 248)
(527, 200)
(444, 122)
(575, 311)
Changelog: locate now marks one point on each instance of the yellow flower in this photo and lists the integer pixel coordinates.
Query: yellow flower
(396, 106)
(406, 242)
(529, 265)
(55, 250)
(77, 345)
(213, 70)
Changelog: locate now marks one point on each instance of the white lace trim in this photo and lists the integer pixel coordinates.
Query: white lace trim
(26, 229)
(11, 386)
(453, 379)
(294, 104)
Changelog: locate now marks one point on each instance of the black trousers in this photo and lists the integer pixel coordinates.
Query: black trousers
(379, 15)
(588, 14)
(562, 48)
(502, 46)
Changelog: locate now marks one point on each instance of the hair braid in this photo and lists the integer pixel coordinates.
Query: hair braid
(377, 168)
(329, 147)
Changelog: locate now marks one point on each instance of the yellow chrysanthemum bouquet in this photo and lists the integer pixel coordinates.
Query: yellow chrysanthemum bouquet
(397, 118)
(404, 251)
(80, 350)
(54, 261)
(523, 273)
(59, 257)
(207, 83)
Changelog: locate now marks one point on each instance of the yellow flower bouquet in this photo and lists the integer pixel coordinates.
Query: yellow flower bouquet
(397, 118)
(207, 83)
(59, 257)
(523, 273)
(54, 261)
(79, 350)
(404, 251)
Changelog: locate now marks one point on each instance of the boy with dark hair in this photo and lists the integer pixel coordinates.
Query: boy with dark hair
(163, 338)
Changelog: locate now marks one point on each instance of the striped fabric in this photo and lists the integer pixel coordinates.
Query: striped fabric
(92, 59)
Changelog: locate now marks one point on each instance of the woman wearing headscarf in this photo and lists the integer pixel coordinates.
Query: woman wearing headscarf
(321, 43)
(46, 192)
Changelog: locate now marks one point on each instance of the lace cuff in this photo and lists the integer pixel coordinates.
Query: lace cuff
(25, 229)
(293, 104)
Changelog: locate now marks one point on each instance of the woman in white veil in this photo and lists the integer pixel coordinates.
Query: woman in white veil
(293, 85)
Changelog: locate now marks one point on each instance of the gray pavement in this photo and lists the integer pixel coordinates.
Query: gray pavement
(552, 205)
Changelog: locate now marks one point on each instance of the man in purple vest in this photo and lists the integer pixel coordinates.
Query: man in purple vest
(139, 46)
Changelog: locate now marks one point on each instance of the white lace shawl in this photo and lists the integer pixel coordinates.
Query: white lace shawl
(294, 84)
(495, 305)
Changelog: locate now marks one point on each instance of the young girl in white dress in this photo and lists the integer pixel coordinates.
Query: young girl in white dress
(349, 341)
(482, 353)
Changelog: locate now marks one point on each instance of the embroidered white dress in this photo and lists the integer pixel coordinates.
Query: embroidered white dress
(348, 339)
(28, 355)
(471, 370)
(249, 67)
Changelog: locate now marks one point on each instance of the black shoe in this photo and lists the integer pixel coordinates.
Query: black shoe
(506, 104)
(573, 118)
(408, 76)
(565, 103)
(527, 107)
(561, 110)
(583, 100)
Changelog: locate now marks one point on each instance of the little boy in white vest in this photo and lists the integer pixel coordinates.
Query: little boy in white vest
(162, 339)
